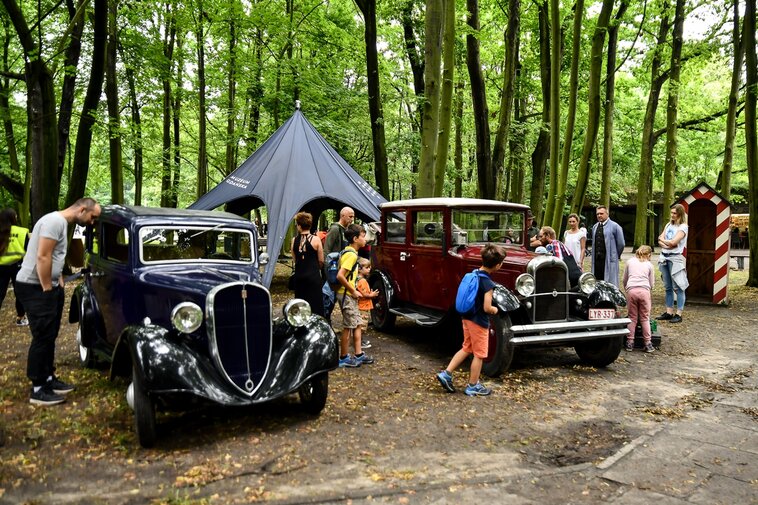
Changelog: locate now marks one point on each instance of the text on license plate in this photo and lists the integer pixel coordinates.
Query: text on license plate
(602, 313)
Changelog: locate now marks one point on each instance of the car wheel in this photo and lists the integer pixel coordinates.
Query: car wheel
(599, 353)
(314, 392)
(501, 350)
(144, 411)
(86, 355)
(381, 317)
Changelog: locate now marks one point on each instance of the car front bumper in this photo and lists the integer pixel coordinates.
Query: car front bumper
(570, 331)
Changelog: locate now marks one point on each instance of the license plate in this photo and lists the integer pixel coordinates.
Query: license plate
(602, 314)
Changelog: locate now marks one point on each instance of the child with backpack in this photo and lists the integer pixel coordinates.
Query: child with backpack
(366, 303)
(475, 321)
(346, 298)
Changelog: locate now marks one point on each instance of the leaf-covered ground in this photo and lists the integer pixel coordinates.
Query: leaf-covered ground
(386, 426)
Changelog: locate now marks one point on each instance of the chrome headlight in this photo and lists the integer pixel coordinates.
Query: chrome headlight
(263, 259)
(587, 283)
(297, 312)
(187, 317)
(525, 284)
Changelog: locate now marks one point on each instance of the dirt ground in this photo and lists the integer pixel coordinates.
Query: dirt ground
(388, 429)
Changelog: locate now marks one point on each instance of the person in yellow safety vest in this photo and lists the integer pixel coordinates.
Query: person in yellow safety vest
(13, 242)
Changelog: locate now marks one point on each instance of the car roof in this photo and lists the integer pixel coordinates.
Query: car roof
(131, 212)
(452, 202)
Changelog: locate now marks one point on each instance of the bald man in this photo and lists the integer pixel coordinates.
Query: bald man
(335, 239)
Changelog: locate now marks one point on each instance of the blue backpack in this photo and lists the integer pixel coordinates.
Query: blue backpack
(465, 300)
(333, 267)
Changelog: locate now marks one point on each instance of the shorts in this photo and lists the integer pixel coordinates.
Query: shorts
(365, 318)
(475, 339)
(351, 316)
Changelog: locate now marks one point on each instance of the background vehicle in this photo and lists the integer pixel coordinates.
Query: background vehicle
(173, 299)
(426, 246)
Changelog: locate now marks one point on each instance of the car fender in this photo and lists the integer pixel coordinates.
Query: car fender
(605, 292)
(81, 303)
(389, 286)
(504, 299)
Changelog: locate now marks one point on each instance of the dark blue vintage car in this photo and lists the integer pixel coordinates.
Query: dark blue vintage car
(173, 299)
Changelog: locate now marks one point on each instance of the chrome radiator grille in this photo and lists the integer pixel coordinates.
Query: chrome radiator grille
(550, 278)
(239, 331)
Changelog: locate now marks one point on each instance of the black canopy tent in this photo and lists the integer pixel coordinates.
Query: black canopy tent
(295, 169)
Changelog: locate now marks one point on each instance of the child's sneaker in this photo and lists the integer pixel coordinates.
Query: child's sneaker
(348, 362)
(629, 346)
(364, 359)
(649, 347)
(22, 321)
(477, 389)
(446, 380)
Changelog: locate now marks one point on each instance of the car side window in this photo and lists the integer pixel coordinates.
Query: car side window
(395, 232)
(427, 228)
(115, 243)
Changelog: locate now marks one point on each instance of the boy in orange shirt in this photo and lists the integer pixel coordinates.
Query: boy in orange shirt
(365, 303)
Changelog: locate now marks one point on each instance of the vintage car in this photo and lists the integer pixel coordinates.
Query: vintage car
(173, 299)
(425, 246)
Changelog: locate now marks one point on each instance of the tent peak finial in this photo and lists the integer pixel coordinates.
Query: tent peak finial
(297, 104)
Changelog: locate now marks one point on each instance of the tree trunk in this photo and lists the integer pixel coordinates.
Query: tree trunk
(114, 114)
(751, 138)
(80, 168)
(731, 117)
(485, 176)
(593, 112)
(231, 164)
(517, 141)
(648, 140)
(506, 99)
(555, 107)
(255, 93)
(433, 22)
(176, 175)
(71, 61)
(202, 125)
(555, 208)
(458, 191)
(446, 97)
(168, 55)
(381, 171)
(11, 181)
(541, 148)
(672, 107)
(610, 104)
(417, 68)
(137, 125)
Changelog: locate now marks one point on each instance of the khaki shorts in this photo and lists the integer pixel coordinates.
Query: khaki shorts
(351, 316)
(365, 317)
(475, 339)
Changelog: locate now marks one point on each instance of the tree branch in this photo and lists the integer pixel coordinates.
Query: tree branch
(694, 124)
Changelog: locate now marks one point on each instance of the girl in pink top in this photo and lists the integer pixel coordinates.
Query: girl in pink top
(638, 282)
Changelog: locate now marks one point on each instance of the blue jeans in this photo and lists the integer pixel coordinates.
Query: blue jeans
(670, 287)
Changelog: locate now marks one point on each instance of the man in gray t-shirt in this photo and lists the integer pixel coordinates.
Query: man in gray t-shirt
(39, 286)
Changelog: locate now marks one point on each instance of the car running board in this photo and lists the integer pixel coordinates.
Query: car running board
(420, 318)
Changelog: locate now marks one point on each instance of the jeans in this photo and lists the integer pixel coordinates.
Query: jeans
(44, 310)
(670, 287)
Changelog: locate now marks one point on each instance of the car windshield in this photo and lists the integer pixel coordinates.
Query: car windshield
(504, 227)
(212, 244)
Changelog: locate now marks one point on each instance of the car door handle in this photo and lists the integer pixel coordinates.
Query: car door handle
(97, 274)
(404, 255)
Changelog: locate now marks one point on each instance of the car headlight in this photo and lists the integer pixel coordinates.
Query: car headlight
(297, 312)
(587, 283)
(187, 317)
(525, 284)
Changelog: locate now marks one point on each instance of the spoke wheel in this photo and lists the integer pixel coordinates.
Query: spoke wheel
(501, 351)
(86, 355)
(381, 317)
(314, 392)
(144, 411)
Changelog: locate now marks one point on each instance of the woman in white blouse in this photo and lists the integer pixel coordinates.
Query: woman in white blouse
(575, 239)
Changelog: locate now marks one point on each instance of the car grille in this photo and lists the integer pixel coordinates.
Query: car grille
(239, 332)
(549, 278)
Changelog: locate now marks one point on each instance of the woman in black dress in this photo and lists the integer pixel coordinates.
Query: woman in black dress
(308, 255)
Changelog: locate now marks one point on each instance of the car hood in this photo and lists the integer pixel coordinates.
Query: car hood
(196, 279)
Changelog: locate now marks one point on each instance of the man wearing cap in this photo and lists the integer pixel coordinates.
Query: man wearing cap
(532, 231)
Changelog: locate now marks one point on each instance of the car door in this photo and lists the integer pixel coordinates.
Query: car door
(425, 257)
(393, 252)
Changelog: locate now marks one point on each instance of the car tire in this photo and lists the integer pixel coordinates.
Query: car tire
(86, 354)
(314, 392)
(144, 411)
(381, 317)
(599, 353)
(501, 350)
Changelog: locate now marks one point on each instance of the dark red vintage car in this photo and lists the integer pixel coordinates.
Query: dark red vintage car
(425, 246)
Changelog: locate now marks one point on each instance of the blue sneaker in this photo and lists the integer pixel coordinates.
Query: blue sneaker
(364, 359)
(348, 362)
(446, 380)
(477, 389)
